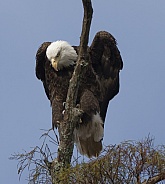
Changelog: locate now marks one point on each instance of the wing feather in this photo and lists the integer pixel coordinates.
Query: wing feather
(55, 83)
(40, 65)
(107, 63)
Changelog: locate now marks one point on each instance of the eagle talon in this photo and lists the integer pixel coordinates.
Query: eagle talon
(58, 122)
(63, 104)
(63, 112)
(78, 106)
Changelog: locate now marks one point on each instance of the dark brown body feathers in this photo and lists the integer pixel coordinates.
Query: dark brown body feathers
(99, 84)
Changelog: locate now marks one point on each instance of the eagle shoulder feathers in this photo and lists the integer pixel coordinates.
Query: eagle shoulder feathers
(55, 63)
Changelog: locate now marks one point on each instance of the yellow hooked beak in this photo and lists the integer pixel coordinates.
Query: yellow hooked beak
(54, 63)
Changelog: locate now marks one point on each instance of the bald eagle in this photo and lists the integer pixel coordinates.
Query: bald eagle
(55, 62)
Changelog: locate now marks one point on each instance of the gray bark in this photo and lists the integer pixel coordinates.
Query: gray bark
(72, 114)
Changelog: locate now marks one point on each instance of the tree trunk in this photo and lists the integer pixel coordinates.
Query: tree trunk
(72, 114)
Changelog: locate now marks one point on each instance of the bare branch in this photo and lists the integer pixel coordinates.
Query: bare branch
(67, 126)
(155, 179)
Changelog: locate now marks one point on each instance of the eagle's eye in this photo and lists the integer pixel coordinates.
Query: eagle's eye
(58, 54)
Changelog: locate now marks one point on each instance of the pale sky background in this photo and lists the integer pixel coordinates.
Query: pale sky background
(139, 108)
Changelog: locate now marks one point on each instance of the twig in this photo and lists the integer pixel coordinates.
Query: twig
(155, 179)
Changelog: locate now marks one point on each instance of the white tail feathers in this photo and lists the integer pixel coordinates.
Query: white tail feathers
(88, 137)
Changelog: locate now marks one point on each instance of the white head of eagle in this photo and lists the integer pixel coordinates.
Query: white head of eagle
(61, 54)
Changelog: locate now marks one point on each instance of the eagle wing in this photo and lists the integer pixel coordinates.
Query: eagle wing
(40, 65)
(52, 82)
(107, 63)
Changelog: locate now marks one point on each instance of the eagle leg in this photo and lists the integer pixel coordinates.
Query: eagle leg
(88, 135)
